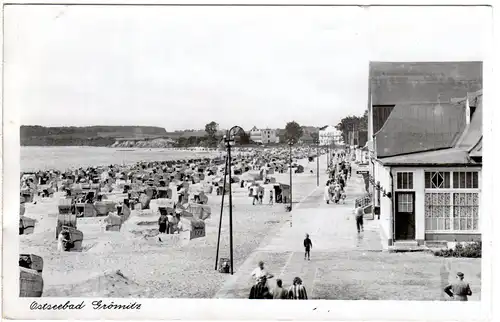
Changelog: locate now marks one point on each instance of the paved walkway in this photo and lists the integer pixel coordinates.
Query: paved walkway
(332, 230)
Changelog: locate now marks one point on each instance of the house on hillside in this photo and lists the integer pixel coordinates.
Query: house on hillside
(425, 146)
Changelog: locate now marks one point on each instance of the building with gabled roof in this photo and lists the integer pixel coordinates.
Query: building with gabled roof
(425, 142)
(264, 136)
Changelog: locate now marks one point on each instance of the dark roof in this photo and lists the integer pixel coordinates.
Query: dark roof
(466, 150)
(465, 70)
(414, 128)
(417, 82)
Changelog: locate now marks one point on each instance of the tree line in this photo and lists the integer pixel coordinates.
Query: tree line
(352, 123)
(292, 134)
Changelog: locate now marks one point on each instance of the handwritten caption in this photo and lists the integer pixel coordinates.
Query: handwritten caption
(96, 305)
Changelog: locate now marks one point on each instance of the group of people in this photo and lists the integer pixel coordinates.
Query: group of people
(335, 186)
(258, 195)
(334, 192)
(169, 224)
(261, 291)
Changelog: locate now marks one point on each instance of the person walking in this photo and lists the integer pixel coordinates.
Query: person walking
(460, 290)
(359, 213)
(279, 293)
(297, 291)
(260, 291)
(307, 246)
(337, 193)
(327, 194)
(255, 195)
(271, 202)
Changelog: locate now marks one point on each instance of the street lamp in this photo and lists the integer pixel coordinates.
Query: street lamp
(290, 143)
(317, 163)
(228, 141)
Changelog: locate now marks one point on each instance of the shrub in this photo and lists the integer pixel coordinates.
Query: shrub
(471, 250)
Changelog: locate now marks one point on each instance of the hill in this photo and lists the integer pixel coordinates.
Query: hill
(35, 135)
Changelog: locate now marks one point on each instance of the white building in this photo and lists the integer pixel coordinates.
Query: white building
(264, 136)
(256, 135)
(270, 136)
(329, 135)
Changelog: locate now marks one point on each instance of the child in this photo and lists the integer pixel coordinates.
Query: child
(307, 245)
(343, 196)
(270, 197)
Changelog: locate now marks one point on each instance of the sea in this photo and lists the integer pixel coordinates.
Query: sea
(62, 158)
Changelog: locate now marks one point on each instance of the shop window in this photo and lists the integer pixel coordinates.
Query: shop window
(437, 211)
(465, 211)
(452, 211)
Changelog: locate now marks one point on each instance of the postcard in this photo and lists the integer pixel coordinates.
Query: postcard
(217, 162)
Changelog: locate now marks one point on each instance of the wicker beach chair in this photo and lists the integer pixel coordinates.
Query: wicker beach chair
(30, 283)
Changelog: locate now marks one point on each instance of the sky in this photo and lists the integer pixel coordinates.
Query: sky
(182, 67)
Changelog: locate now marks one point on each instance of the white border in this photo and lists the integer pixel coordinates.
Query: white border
(255, 310)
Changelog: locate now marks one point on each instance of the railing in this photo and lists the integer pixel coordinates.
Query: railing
(364, 201)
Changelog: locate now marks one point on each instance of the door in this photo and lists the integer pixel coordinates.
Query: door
(405, 216)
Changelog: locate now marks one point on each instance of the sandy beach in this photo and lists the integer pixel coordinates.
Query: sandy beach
(131, 263)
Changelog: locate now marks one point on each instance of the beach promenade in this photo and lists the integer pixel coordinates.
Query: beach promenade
(332, 229)
(346, 265)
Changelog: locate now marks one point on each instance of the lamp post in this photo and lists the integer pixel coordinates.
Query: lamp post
(228, 141)
(221, 212)
(317, 163)
(290, 143)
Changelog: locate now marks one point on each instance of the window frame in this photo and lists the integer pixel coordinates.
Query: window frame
(451, 191)
(412, 188)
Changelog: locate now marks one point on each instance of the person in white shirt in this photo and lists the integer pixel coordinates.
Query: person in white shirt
(260, 271)
(327, 193)
(255, 195)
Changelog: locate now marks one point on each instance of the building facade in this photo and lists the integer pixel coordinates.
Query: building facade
(425, 147)
(256, 135)
(270, 136)
(264, 136)
(329, 135)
